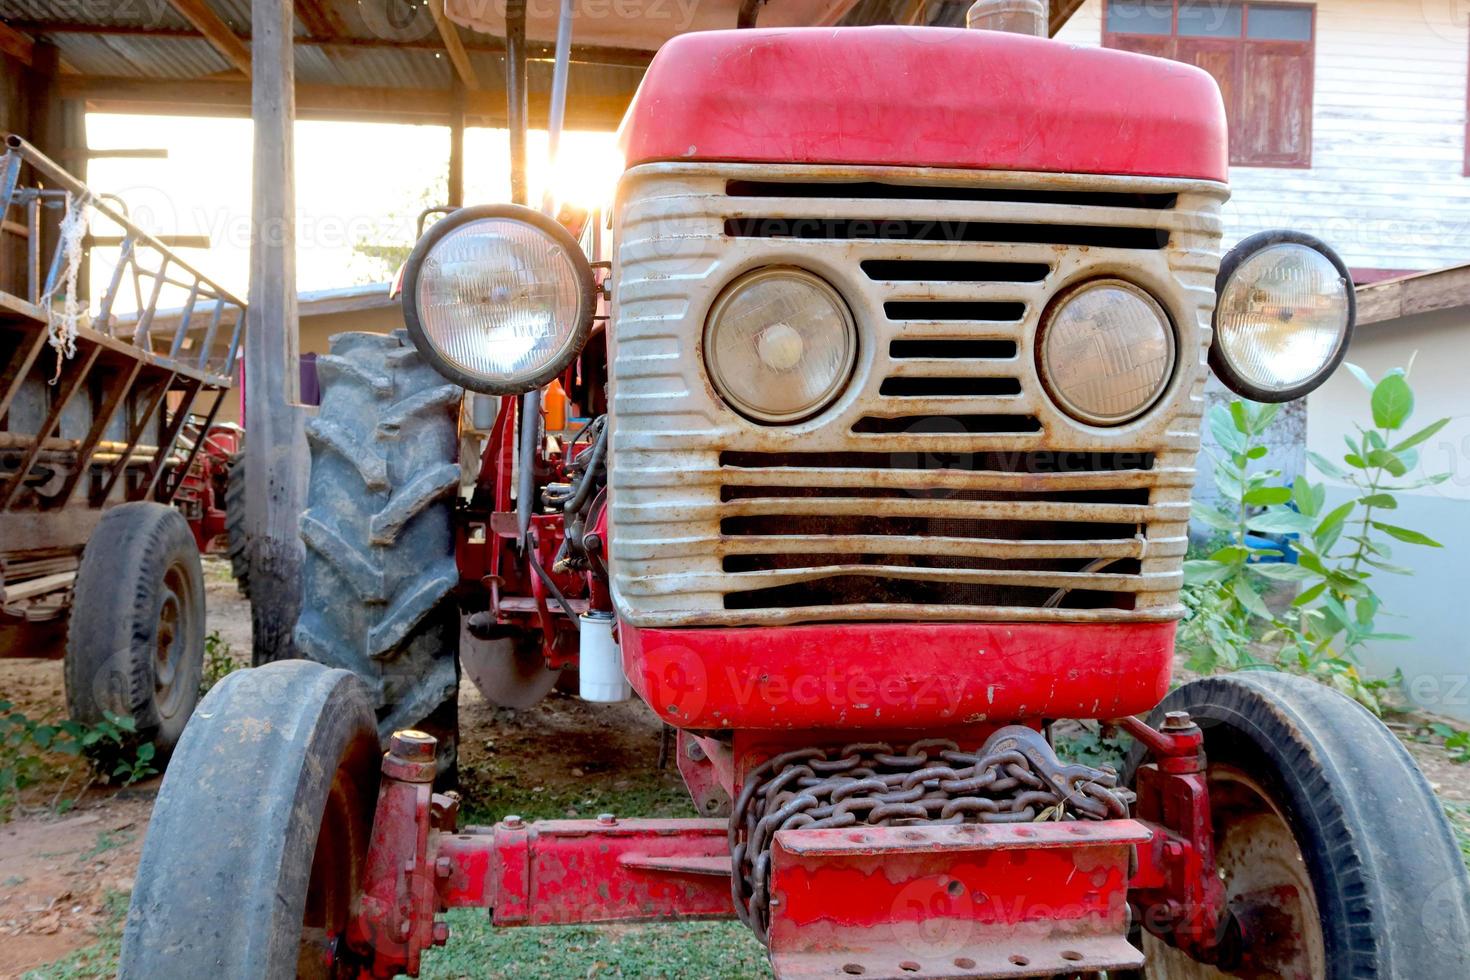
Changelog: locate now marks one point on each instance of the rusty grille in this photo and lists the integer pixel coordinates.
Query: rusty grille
(943, 484)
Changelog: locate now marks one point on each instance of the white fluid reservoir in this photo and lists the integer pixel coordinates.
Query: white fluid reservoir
(600, 662)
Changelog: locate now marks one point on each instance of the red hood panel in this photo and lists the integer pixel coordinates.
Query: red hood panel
(925, 97)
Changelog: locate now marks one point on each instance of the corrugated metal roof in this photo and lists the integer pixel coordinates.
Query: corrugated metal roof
(132, 56)
(136, 49)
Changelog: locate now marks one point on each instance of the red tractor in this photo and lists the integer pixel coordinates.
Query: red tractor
(889, 436)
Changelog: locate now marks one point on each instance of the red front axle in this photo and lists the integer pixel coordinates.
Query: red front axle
(921, 900)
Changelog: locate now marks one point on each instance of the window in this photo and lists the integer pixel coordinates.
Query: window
(1260, 53)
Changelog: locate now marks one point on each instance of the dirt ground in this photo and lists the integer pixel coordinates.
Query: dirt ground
(64, 875)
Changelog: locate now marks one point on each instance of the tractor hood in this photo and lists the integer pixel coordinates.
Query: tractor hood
(924, 97)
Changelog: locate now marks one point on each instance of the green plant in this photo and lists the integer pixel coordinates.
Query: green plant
(1338, 551)
(36, 750)
(1222, 592)
(219, 661)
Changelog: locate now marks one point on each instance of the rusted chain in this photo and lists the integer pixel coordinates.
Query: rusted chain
(1015, 777)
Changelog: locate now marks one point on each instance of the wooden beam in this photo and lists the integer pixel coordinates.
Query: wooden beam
(319, 19)
(276, 460)
(454, 46)
(1060, 12)
(17, 45)
(1442, 289)
(486, 107)
(216, 31)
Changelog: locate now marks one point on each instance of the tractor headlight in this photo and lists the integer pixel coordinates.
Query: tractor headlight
(779, 344)
(1106, 351)
(1284, 314)
(500, 298)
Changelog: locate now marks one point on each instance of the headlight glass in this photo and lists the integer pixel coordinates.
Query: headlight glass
(779, 344)
(1282, 317)
(503, 300)
(1106, 351)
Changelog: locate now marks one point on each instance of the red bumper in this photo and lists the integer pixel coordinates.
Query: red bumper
(914, 676)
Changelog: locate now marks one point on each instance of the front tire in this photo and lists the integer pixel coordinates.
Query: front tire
(1317, 806)
(135, 641)
(256, 848)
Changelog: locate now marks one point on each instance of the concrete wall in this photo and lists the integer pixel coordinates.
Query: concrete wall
(1432, 603)
(1387, 185)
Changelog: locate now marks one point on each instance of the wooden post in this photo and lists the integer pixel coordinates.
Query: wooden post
(276, 461)
(455, 196)
(517, 109)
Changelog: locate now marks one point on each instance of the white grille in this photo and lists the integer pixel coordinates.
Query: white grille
(943, 484)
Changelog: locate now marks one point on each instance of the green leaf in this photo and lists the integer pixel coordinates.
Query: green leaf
(1264, 415)
(1327, 466)
(1206, 514)
(1257, 452)
(1250, 600)
(1383, 501)
(1309, 497)
(1267, 496)
(1406, 535)
(1226, 432)
(1281, 571)
(1231, 554)
(1280, 521)
(1423, 434)
(1309, 594)
(1240, 417)
(1355, 461)
(1393, 402)
(1363, 378)
(1198, 572)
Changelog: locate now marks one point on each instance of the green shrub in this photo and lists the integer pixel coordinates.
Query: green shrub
(1336, 612)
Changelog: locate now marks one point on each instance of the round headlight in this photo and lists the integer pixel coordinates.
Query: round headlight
(1106, 351)
(779, 344)
(1283, 316)
(499, 298)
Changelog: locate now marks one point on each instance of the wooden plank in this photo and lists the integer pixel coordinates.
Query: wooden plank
(215, 31)
(454, 46)
(17, 45)
(276, 460)
(1443, 289)
(36, 587)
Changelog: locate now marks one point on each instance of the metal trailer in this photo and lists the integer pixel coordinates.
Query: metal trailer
(98, 443)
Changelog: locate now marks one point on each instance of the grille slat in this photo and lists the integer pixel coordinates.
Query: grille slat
(945, 484)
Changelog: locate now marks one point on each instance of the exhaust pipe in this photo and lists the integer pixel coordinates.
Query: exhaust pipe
(1011, 16)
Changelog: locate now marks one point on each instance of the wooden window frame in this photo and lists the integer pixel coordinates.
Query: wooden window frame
(1241, 44)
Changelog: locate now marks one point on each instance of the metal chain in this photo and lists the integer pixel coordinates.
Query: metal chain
(1015, 777)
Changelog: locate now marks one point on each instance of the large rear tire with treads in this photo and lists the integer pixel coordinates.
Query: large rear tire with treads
(379, 534)
(1328, 838)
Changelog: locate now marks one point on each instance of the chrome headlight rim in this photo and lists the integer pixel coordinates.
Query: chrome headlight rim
(1219, 359)
(842, 378)
(451, 370)
(1069, 407)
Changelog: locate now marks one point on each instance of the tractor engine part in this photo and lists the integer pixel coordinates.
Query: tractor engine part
(600, 664)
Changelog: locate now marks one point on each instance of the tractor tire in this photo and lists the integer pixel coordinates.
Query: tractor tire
(256, 848)
(237, 540)
(1317, 805)
(135, 640)
(379, 534)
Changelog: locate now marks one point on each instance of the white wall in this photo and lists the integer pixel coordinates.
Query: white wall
(1433, 602)
(1388, 137)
